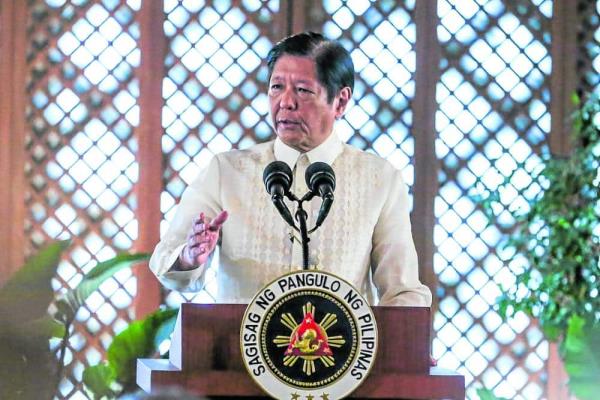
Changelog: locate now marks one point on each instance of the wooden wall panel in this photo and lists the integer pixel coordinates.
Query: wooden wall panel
(425, 105)
(12, 124)
(149, 133)
(563, 81)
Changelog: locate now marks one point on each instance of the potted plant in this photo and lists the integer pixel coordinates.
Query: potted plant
(36, 324)
(559, 237)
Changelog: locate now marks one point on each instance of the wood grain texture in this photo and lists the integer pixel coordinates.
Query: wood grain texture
(13, 35)
(423, 130)
(206, 347)
(149, 134)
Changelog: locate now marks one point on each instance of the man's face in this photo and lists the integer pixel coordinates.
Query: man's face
(301, 116)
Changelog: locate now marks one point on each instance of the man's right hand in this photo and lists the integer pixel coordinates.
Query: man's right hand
(201, 241)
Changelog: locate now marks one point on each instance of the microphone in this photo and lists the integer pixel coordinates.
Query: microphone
(320, 179)
(277, 178)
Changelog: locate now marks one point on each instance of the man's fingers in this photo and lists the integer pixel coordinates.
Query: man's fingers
(196, 251)
(199, 221)
(218, 221)
(203, 236)
(197, 239)
(192, 243)
(200, 224)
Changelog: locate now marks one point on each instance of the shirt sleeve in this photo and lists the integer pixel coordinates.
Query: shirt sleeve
(202, 195)
(393, 257)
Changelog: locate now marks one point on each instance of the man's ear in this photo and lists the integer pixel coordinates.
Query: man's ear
(341, 101)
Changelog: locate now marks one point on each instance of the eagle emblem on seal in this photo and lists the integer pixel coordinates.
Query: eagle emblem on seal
(308, 340)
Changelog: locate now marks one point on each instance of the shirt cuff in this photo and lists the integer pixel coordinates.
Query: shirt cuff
(173, 260)
(183, 280)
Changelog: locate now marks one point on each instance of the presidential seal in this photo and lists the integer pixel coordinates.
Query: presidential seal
(308, 335)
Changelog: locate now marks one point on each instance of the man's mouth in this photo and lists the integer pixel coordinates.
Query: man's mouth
(287, 123)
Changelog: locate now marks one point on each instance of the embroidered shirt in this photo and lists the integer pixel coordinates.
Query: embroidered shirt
(366, 238)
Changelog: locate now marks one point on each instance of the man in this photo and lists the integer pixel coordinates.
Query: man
(366, 238)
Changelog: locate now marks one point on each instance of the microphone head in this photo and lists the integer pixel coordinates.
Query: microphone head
(277, 175)
(319, 174)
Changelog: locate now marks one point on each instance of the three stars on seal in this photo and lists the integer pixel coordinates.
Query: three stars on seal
(296, 396)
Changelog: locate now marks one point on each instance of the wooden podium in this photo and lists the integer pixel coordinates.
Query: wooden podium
(205, 357)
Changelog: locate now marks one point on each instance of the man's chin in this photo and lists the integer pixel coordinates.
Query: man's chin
(289, 137)
(295, 140)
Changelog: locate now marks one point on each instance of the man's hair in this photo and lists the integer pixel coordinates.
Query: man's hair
(335, 69)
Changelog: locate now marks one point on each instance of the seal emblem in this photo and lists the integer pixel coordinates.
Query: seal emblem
(308, 335)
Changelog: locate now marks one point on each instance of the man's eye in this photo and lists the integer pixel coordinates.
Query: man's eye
(275, 86)
(304, 90)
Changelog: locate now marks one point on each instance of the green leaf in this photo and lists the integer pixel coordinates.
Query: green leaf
(45, 327)
(165, 330)
(100, 379)
(126, 347)
(70, 302)
(27, 295)
(486, 394)
(26, 328)
(27, 367)
(581, 350)
(136, 341)
(551, 331)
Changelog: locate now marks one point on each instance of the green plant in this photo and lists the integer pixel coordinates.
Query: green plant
(486, 394)
(27, 327)
(141, 338)
(29, 369)
(559, 237)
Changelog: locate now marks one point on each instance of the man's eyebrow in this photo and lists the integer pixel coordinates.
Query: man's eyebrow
(281, 78)
(308, 82)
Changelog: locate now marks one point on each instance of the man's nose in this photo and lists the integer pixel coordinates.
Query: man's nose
(287, 99)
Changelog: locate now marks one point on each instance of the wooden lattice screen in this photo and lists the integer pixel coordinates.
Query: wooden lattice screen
(381, 37)
(490, 121)
(588, 42)
(214, 91)
(81, 163)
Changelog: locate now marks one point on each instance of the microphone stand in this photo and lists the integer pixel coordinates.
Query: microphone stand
(301, 217)
(278, 178)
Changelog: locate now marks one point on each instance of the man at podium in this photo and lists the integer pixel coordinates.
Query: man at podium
(366, 238)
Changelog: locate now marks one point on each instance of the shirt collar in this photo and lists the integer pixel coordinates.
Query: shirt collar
(326, 152)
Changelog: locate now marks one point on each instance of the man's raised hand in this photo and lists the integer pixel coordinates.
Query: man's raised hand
(201, 241)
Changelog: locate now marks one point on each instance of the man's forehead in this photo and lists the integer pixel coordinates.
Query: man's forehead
(301, 68)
